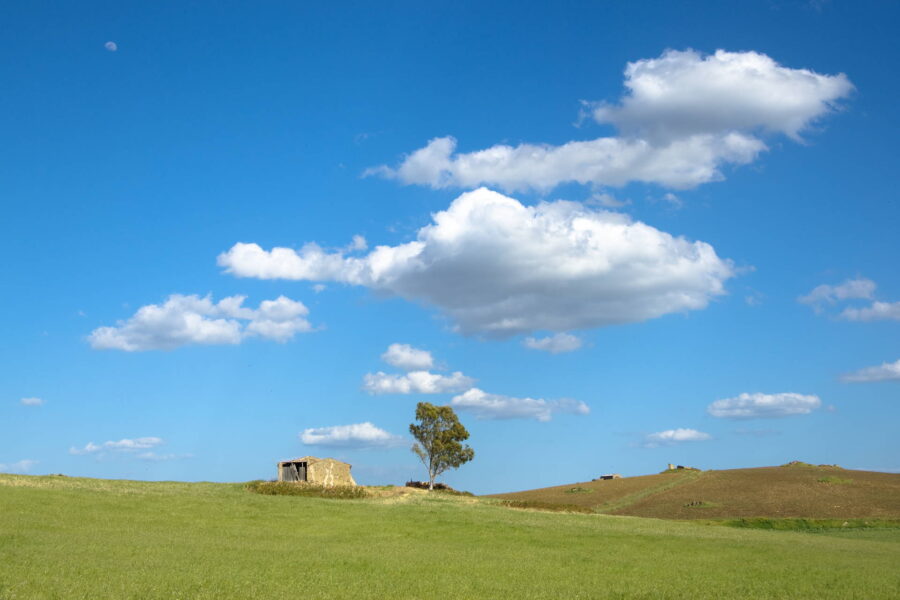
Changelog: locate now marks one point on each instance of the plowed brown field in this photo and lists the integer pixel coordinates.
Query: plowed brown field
(776, 492)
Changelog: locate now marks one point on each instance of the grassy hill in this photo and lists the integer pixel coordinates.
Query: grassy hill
(790, 491)
(65, 537)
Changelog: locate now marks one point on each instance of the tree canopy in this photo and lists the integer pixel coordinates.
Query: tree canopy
(439, 436)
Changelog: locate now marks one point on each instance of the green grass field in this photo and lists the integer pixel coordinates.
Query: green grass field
(80, 538)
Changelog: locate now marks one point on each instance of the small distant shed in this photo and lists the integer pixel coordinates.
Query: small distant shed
(611, 476)
(327, 472)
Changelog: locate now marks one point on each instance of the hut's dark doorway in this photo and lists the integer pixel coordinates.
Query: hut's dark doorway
(294, 471)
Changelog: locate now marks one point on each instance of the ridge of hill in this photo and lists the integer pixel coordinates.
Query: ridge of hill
(795, 490)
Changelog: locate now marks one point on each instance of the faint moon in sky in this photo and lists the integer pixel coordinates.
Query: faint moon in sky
(111, 46)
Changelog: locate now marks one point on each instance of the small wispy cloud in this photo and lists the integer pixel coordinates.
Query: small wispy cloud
(357, 435)
(31, 402)
(674, 436)
(22, 466)
(764, 406)
(554, 344)
(123, 445)
(877, 311)
(497, 406)
(758, 433)
(153, 456)
(851, 289)
(883, 372)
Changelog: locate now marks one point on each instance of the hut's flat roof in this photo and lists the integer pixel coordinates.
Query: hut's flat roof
(310, 459)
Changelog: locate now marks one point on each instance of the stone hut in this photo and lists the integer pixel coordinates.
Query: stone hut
(326, 472)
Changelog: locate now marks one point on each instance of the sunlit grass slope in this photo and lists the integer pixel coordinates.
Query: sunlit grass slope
(80, 538)
(796, 491)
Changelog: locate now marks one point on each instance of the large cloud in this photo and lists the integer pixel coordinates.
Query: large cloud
(684, 116)
(495, 406)
(358, 435)
(764, 406)
(883, 372)
(500, 268)
(183, 320)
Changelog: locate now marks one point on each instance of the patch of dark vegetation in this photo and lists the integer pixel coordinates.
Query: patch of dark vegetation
(701, 504)
(579, 490)
(811, 525)
(548, 506)
(798, 463)
(291, 488)
(438, 487)
(832, 480)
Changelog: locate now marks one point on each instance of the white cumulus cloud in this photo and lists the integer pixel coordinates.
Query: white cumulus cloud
(186, 320)
(22, 466)
(554, 344)
(675, 436)
(31, 402)
(680, 164)
(415, 382)
(359, 435)
(404, 356)
(764, 406)
(500, 268)
(687, 93)
(684, 116)
(123, 445)
(495, 406)
(883, 372)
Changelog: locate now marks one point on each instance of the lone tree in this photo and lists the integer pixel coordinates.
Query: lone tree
(438, 434)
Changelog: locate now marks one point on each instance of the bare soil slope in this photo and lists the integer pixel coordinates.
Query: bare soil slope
(796, 491)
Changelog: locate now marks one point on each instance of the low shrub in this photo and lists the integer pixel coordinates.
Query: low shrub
(798, 463)
(438, 487)
(549, 506)
(290, 488)
(701, 504)
(810, 524)
(831, 479)
(579, 490)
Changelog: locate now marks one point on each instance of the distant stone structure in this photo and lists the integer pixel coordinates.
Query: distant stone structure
(611, 476)
(326, 472)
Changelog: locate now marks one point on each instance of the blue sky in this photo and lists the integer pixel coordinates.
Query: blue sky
(612, 235)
